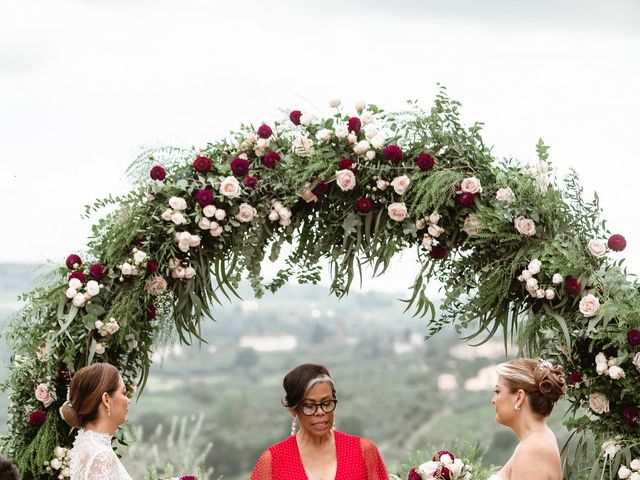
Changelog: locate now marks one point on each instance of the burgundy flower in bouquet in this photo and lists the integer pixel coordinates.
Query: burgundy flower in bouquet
(466, 199)
(202, 164)
(633, 337)
(97, 271)
(321, 189)
(204, 197)
(250, 181)
(364, 205)
(574, 378)
(346, 164)
(393, 153)
(617, 242)
(425, 161)
(150, 312)
(630, 414)
(354, 124)
(158, 173)
(73, 261)
(79, 275)
(573, 286)
(294, 116)
(264, 131)
(37, 418)
(438, 252)
(413, 475)
(152, 267)
(271, 159)
(240, 166)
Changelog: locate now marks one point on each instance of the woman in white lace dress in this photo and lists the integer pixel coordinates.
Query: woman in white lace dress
(98, 405)
(524, 397)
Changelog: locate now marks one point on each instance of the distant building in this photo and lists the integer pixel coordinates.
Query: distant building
(491, 349)
(447, 383)
(269, 343)
(485, 379)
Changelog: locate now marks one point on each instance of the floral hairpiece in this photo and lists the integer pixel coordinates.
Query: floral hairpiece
(545, 364)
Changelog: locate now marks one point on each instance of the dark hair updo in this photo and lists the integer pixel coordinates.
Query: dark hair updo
(8, 470)
(85, 393)
(542, 381)
(299, 380)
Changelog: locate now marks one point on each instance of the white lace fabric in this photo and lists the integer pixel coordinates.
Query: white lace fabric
(93, 458)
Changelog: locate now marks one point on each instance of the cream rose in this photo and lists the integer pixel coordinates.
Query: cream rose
(434, 218)
(204, 223)
(79, 300)
(602, 366)
(526, 274)
(472, 225)
(557, 279)
(178, 218)
(435, 230)
(342, 131)
(525, 226)
(345, 179)
(352, 137)
(427, 241)
(400, 184)
(189, 272)
(220, 215)
(100, 349)
(246, 213)
(56, 464)
(534, 266)
(421, 224)
(93, 288)
(635, 464)
(624, 472)
(549, 294)
(70, 293)
(505, 195)
(178, 203)
(378, 140)
(597, 248)
(273, 216)
(156, 285)
(471, 185)
(360, 106)
(397, 211)
(598, 403)
(427, 469)
(370, 155)
(139, 256)
(306, 118)
(112, 327)
(616, 373)
(361, 147)
(209, 211)
(302, 146)
(323, 134)
(636, 361)
(589, 305)
(166, 215)
(75, 284)
(194, 240)
(308, 196)
(215, 230)
(382, 184)
(335, 102)
(230, 187)
(43, 395)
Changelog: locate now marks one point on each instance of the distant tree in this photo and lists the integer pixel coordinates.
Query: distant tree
(246, 358)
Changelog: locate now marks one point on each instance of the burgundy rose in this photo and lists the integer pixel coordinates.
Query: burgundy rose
(152, 267)
(37, 418)
(393, 153)
(436, 457)
(294, 116)
(271, 159)
(240, 166)
(73, 261)
(617, 242)
(354, 124)
(466, 199)
(438, 252)
(630, 414)
(204, 197)
(250, 181)
(321, 189)
(138, 242)
(425, 161)
(150, 312)
(97, 271)
(574, 378)
(188, 477)
(458, 189)
(158, 173)
(364, 205)
(265, 131)
(573, 286)
(444, 473)
(414, 475)
(346, 164)
(633, 337)
(202, 164)
(79, 275)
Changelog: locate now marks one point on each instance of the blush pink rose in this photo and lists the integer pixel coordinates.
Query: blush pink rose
(397, 211)
(230, 187)
(598, 403)
(345, 179)
(246, 213)
(400, 184)
(43, 395)
(525, 226)
(589, 305)
(471, 185)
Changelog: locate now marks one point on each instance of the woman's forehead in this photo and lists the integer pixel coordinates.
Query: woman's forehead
(319, 390)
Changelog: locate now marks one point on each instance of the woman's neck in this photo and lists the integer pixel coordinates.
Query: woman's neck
(101, 426)
(527, 426)
(305, 439)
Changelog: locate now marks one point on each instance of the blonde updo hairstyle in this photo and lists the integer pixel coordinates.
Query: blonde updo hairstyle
(85, 393)
(542, 381)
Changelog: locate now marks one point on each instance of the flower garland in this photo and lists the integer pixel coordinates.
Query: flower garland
(514, 250)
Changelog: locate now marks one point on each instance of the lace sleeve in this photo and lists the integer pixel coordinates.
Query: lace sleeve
(373, 461)
(104, 467)
(262, 470)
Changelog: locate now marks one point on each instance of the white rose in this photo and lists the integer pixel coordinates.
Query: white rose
(215, 230)
(382, 184)
(323, 134)
(246, 213)
(345, 179)
(139, 256)
(434, 218)
(624, 472)
(472, 225)
(174, 263)
(635, 464)
(532, 284)
(557, 279)
(589, 305)
(306, 118)
(378, 140)
(370, 155)
(597, 248)
(610, 448)
(308, 196)
(534, 266)
(112, 327)
(209, 211)
(79, 300)
(635, 476)
(182, 237)
(56, 464)
(540, 293)
(71, 292)
(183, 246)
(526, 274)
(616, 372)
(166, 215)
(93, 288)
(361, 147)
(262, 143)
(525, 226)
(342, 131)
(334, 102)
(428, 468)
(285, 222)
(397, 211)
(189, 272)
(100, 348)
(549, 294)
(598, 403)
(427, 241)
(75, 283)
(602, 366)
(194, 240)
(59, 452)
(302, 146)
(636, 361)
(505, 195)
(178, 203)
(98, 324)
(230, 187)
(471, 185)
(456, 467)
(204, 223)
(352, 137)
(360, 106)
(446, 459)
(284, 212)
(400, 184)
(420, 224)
(66, 472)
(220, 214)
(367, 119)
(435, 230)
(370, 131)
(178, 218)
(273, 216)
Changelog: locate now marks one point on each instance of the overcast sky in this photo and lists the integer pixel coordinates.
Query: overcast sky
(84, 85)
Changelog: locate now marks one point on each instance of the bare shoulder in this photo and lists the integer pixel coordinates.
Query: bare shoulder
(537, 458)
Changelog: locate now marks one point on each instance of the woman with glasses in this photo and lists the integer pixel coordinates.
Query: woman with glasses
(316, 451)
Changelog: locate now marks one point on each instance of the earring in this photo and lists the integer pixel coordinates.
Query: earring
(516, 407)
(293, 426)
(109, 413)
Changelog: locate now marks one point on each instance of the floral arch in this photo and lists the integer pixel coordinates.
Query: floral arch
(515, 251)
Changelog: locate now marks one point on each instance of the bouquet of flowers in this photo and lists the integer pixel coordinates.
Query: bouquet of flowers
(443, 466)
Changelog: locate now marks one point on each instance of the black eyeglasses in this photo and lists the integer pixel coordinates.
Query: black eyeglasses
(309, 409)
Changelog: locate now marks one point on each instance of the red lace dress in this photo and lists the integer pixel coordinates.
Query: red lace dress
(358, 459)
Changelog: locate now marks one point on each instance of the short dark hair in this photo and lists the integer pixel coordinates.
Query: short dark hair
(296, 381)
(8, 470)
